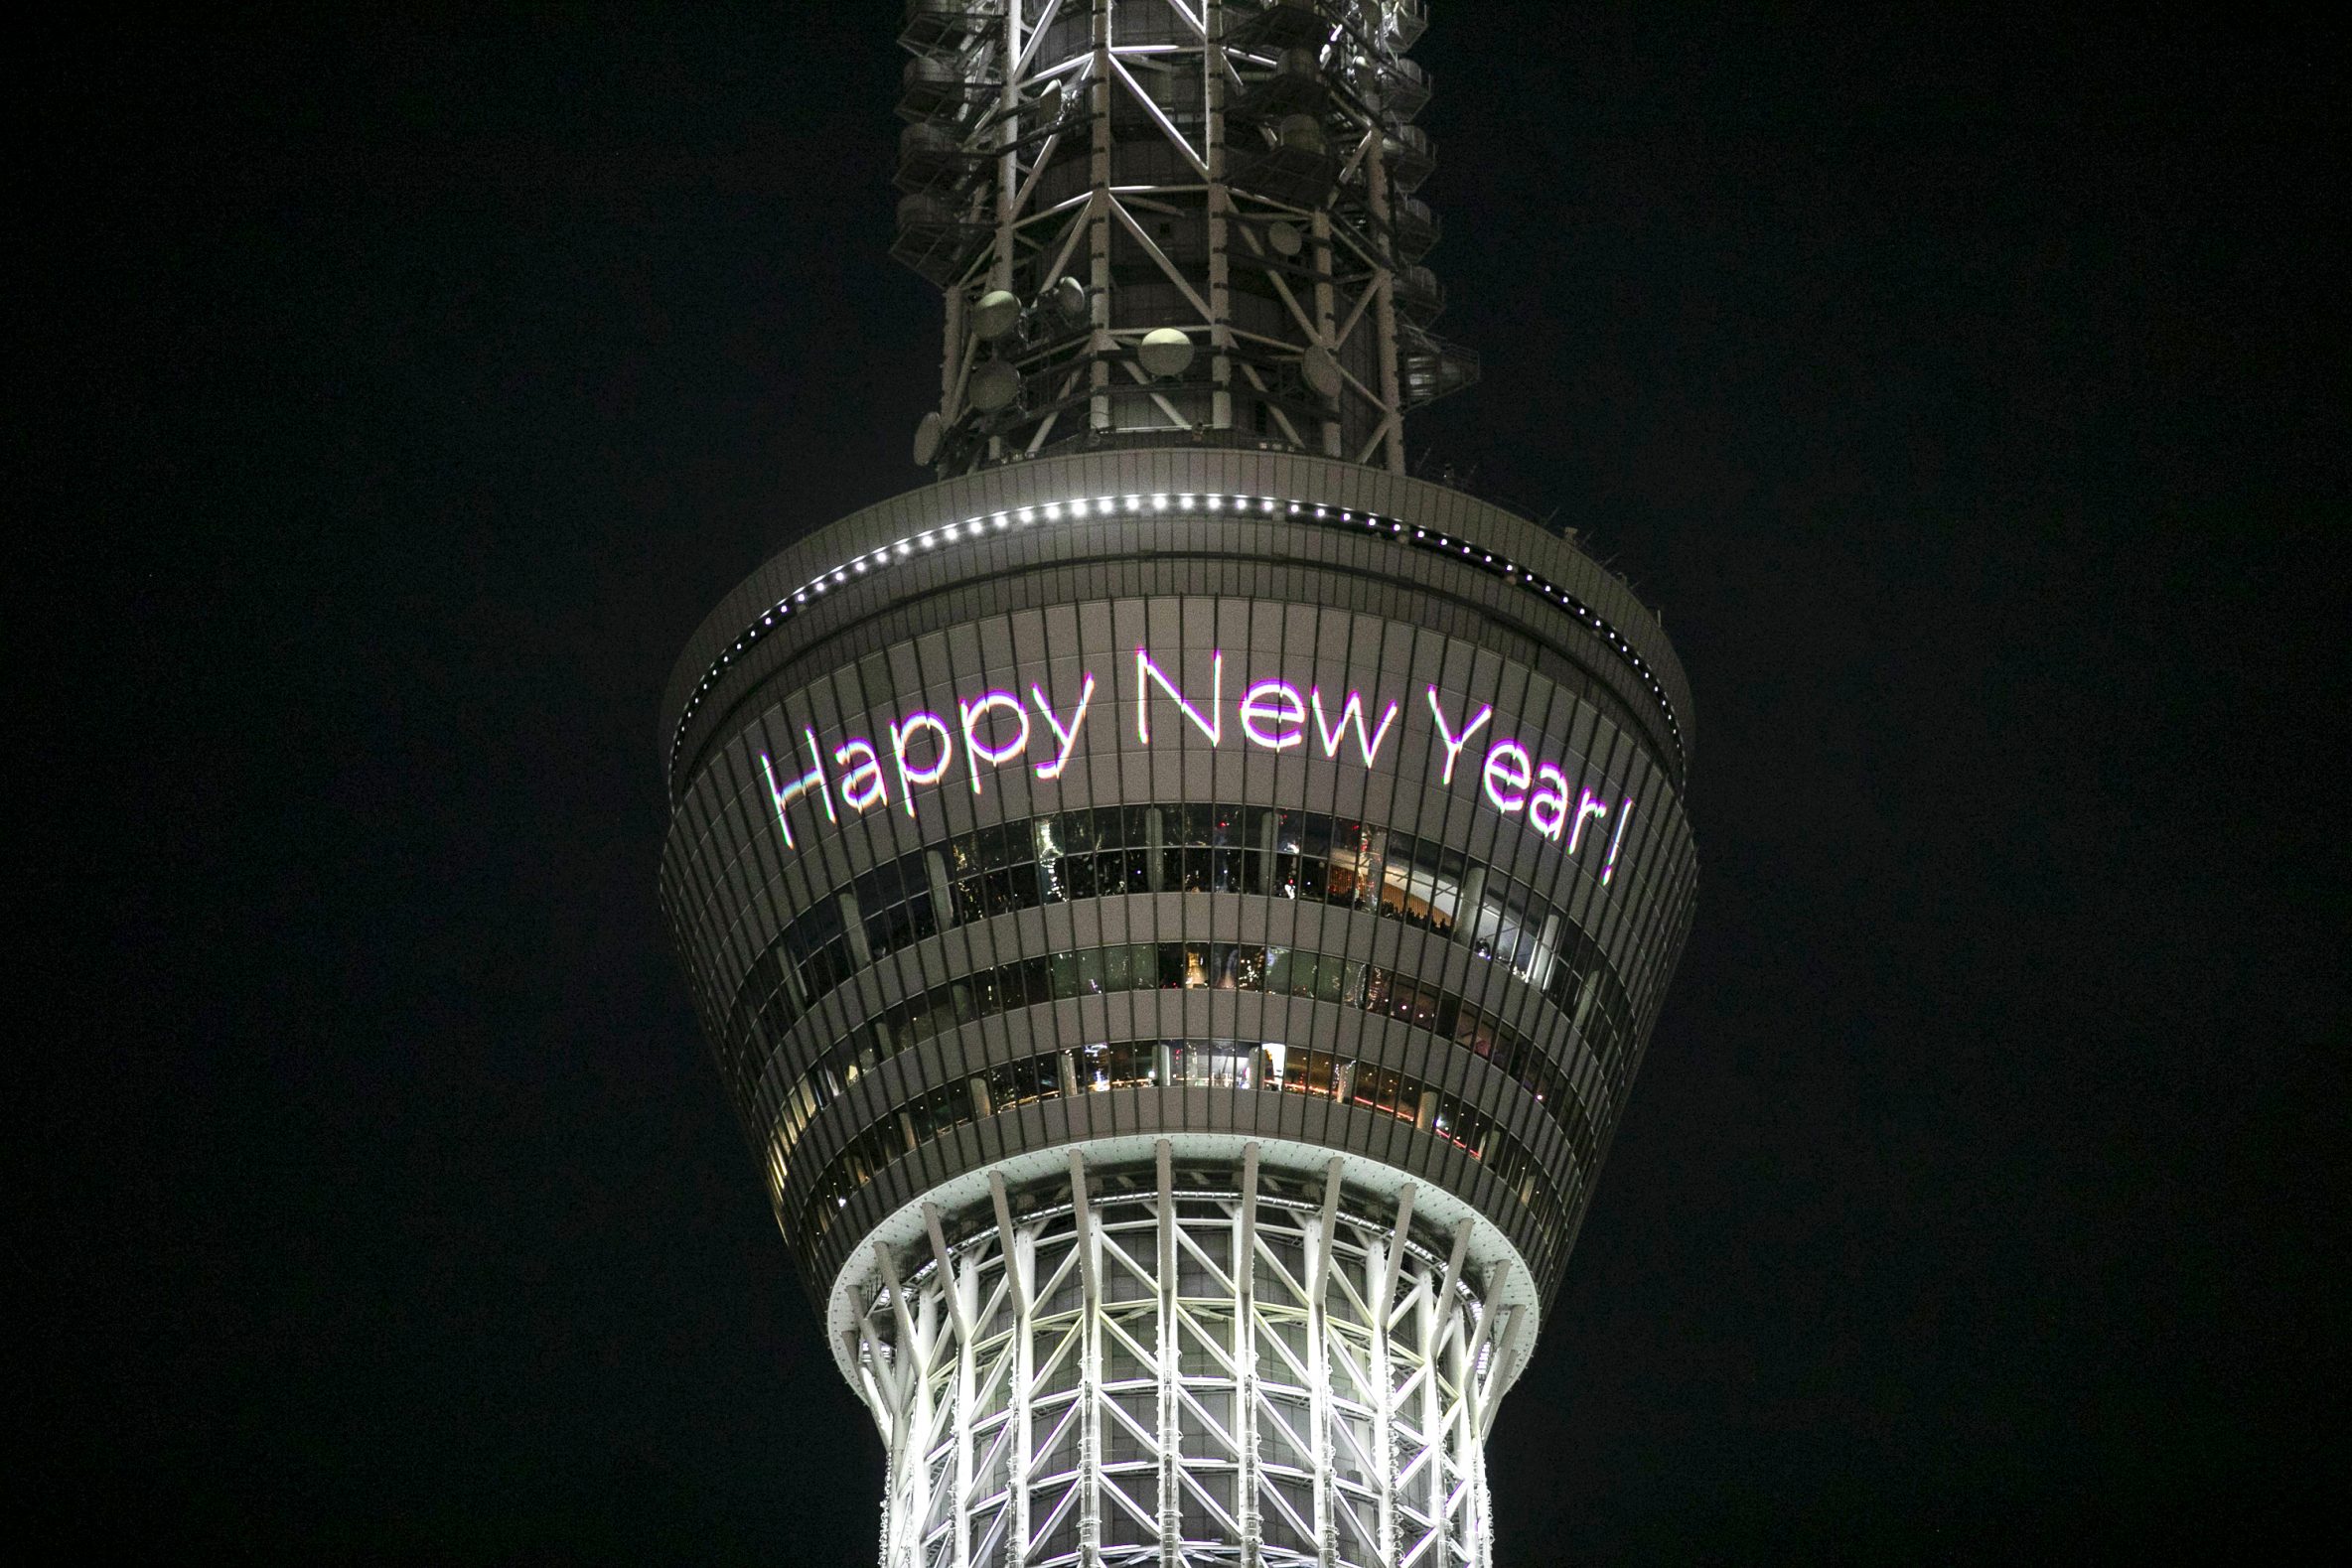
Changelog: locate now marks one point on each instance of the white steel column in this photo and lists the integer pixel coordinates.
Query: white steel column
(1319, 1243)
(1381, 1277)
(1099, 225)
(1251, 1516)
(1018, 1255)
(1171, 1511)
(1384, 317)
(956, 1292)
(1090, 1373)
(1221, 206)
(1324, 323)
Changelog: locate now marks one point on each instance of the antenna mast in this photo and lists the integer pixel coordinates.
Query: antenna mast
(1158, 220)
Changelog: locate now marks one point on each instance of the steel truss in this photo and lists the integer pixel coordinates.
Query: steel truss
(1233, 168)
(1087, 1373)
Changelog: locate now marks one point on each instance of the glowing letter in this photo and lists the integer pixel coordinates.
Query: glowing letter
(1273, 715)
(862, 788)
(1587, 807)
(903, 732)
(1067, 737)
(1144, 667)
(1351, 712)
(784, 794)
(1624, 816)
(1547, 810)
(1506, 773)
(1454, 743)
(976, 750)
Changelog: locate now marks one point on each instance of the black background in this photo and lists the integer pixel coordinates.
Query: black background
(391, 402)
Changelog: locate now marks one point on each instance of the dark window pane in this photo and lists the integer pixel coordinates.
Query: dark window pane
(963, 856)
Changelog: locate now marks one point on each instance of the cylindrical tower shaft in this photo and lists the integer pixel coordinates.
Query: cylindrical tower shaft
(1185, 1363)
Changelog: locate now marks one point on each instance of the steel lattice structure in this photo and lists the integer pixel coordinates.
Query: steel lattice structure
(1177, 905)
(1126, 1394)
(1239, 173)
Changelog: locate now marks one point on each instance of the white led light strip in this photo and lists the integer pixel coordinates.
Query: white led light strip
(975, 529)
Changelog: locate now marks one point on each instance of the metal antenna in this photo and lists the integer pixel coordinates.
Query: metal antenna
(1172, 221)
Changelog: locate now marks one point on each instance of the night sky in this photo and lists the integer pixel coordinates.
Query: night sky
(1967, 388)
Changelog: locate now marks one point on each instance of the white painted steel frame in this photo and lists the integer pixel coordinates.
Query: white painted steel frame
(1090, 1375)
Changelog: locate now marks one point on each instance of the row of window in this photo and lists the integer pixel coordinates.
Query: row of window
(1144, 967)
(813, 953)
(1113, 850)
(1224, 1064)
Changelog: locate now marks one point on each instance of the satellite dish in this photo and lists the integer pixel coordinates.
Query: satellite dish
(927, 438)
(1321, 370)
(997, 313)
(1049, 104)
(1285, 237)
(1069, 298)
(994, 385)
(1165, 351)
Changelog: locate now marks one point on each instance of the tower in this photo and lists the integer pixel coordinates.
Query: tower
(1178, 903)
